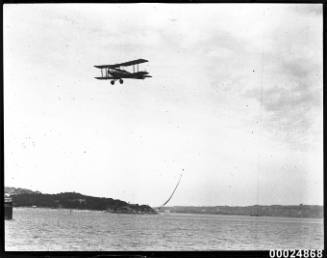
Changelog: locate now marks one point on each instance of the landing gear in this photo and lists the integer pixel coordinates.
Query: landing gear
(121, 81)
(112, 82)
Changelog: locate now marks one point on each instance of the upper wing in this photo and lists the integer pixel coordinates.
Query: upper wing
(105, 66)
(134, 62)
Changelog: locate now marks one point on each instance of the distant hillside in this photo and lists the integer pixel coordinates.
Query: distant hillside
(14, 190)
(71, 200)
(302, 211)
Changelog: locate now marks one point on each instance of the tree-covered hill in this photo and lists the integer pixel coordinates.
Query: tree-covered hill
(72, 200)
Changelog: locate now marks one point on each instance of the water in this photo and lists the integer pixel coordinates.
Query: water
(37, 229)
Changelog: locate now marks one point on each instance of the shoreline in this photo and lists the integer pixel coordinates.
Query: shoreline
(80, 210)
(165, 213)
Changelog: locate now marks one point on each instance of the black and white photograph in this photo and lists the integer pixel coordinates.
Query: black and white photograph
(163, 127)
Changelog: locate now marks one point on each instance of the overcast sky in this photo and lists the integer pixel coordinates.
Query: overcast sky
(235, 102)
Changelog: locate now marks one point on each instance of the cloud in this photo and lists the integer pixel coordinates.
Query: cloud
(277, 65)
(308, 9)
(290, 88)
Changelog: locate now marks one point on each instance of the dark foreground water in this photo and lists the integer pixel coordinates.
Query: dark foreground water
(64, 230)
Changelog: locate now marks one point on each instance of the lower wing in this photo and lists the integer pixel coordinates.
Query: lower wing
(105, 78)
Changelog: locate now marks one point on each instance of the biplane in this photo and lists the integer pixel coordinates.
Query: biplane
(116, 72)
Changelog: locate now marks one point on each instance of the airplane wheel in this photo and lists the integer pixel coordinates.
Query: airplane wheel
(112, 82)
(121, 81)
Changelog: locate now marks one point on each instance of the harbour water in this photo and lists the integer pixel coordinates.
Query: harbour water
(40, 229)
